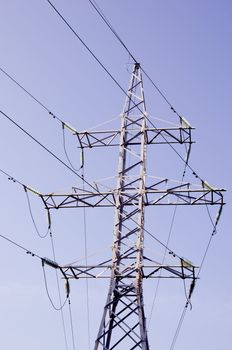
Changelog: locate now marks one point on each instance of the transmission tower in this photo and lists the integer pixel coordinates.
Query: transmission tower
(123, 324)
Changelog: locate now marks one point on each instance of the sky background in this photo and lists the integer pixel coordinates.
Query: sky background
(185, 46)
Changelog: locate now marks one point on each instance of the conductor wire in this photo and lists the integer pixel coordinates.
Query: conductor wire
(59, 293)
(20, 246)
(165, 251)
(101, 14)
(65, 150)
(199, 271)
(179, 326)
(86, 263)
(71, 323)
(32, 217)
(47, 291)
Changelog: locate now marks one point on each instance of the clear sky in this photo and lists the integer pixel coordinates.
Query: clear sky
(185, 46)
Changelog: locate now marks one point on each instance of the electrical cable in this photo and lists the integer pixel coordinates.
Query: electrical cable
(25, 90)
(165, 251)
(21, 247)
(59, 293)
(41, 145)
(66, 153)
(32, 217)
(47, 291)
(86, 46)
(11, 178)
(197, 277)
(179, 326)
(71, 323)
(86, 263)
(214, 224)
(107, 22)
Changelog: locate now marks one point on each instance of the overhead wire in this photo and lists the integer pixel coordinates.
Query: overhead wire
(188, 302)
(28, 251)
(71, 323)
(41, 145)
(59, 292)
(47, 291)
(33, 219)
(164, 255)
(86, 46)
(66, 152)
(109, 25)
(23, 88)
(86, 263)
(183, 314)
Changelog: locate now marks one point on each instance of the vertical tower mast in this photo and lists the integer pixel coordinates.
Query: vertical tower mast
(123, 322)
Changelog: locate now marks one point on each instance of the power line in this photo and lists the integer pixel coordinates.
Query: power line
(181, 320)
(59, 293)
(47, 291)
(86, 263)
(109, 25)
(28, 251)
(165, 251)
(32, 217)
(25, 90)
(86, 46)
(41, 145)
(198, 274)
(71, 323)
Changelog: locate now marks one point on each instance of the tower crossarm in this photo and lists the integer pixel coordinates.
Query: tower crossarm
(173, 135)
(158, 193)
(150, 269)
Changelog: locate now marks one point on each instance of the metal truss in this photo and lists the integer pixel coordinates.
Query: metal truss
(184, 270)
(159, 193)
(89, 139)
(123, 324)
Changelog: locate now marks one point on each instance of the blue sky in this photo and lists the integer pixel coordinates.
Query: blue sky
(185, 47)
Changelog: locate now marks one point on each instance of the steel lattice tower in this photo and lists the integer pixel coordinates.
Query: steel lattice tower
(123, 324)
(124, 307)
